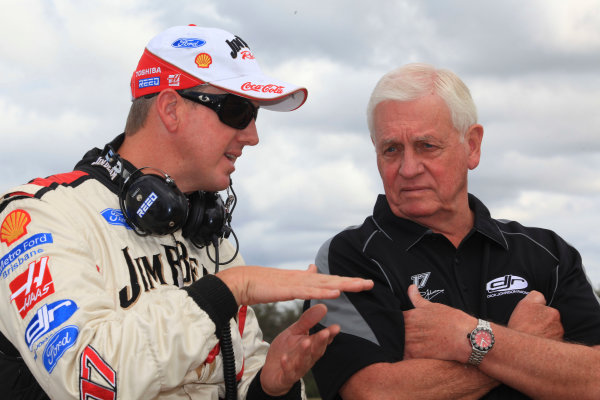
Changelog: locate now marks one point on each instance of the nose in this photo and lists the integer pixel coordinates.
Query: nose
(410, 166)
(249, 135)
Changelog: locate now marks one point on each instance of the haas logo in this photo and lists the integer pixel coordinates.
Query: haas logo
(32, 286)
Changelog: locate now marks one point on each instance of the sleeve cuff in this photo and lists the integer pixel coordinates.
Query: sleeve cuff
(214, 297)
(255, 391)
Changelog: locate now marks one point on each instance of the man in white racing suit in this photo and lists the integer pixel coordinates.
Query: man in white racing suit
(111, 284)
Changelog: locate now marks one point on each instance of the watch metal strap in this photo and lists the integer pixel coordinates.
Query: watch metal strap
(477, 355)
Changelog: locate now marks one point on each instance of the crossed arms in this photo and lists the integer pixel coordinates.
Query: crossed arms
(529, 355)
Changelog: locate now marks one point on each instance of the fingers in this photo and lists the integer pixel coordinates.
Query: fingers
(343, 283)
(296, 362)
(415, 296)
(254, 284)
(308, 319)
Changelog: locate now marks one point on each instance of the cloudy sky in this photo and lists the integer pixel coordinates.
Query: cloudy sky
(533, 68)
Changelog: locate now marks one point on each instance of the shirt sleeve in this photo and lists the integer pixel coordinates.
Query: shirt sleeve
(372, 323)
(574, 297)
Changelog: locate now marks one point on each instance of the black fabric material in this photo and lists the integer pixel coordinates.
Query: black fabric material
(214, 297)
(16, 381)
(255, 391)
(492, 269)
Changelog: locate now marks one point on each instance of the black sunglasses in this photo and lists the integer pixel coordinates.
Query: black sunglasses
(234, 111)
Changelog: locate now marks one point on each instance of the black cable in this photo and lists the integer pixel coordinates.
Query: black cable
(231, 202)
(228, 363)
(226, 345)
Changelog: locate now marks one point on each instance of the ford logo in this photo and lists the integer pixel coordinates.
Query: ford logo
(188, 43)
(58, 344)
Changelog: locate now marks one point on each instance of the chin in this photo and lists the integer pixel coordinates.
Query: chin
(221, 184)
(416, 211)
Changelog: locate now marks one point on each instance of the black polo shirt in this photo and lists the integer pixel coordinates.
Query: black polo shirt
(492, 269)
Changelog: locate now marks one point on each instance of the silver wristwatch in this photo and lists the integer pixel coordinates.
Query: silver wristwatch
(482, 341)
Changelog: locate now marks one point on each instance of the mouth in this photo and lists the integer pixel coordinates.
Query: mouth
(413, 189)
(232, 157)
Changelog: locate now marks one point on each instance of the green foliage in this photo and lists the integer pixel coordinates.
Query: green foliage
(273, 319)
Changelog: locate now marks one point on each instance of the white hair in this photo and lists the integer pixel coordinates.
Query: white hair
(414, 81)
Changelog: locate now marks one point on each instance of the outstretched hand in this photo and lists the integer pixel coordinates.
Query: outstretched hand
(253, 284)
(293, 352)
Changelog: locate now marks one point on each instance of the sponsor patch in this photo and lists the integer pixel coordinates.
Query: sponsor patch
(48, 317)
(203, 60)
(146, 204)
(507, 284)
(115, 217)
(31, 286)
(58, 344)
(149, 82)
(97, 380)
(25, 247)
(270, 88)
(247, 55)
(147, 71)
(174, 79)
(14, 226)
(188, 43)
(236, 45)
(421, 280)
(108, 162)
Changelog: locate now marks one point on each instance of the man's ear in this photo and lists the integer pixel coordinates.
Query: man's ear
(168, 106)
(474, 137)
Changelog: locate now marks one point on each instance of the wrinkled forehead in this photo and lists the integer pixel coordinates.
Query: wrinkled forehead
(425, 119)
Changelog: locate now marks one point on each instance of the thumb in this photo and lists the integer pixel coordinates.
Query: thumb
(312, 268)
(535, 297)
(415, 296)
(308, 319)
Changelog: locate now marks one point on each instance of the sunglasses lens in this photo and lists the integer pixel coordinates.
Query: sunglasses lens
(237, 112)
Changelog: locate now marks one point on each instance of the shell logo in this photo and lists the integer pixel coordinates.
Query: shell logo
(203, 60)
(14, 226)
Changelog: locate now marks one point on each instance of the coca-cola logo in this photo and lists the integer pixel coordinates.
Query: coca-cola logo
(270, 88)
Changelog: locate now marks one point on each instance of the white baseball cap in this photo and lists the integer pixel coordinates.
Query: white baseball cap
(186, 56)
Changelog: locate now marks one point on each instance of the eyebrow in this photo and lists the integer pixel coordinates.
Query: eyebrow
(416, 139)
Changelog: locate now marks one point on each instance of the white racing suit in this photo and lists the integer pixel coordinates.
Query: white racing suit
(94, 309)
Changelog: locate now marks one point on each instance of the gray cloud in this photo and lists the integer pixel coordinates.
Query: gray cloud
(532, 68)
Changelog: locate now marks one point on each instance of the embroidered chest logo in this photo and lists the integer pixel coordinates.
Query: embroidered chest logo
(421, 280)
(507, 284)
(14, 226)
(32, 286)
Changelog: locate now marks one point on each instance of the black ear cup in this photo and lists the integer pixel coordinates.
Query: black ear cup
(152, 204)
(207, 219)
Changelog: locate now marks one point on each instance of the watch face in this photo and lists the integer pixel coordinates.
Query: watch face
(483, 339)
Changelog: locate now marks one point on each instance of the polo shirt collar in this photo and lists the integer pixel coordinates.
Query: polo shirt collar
(484, 223)
(407, 233)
